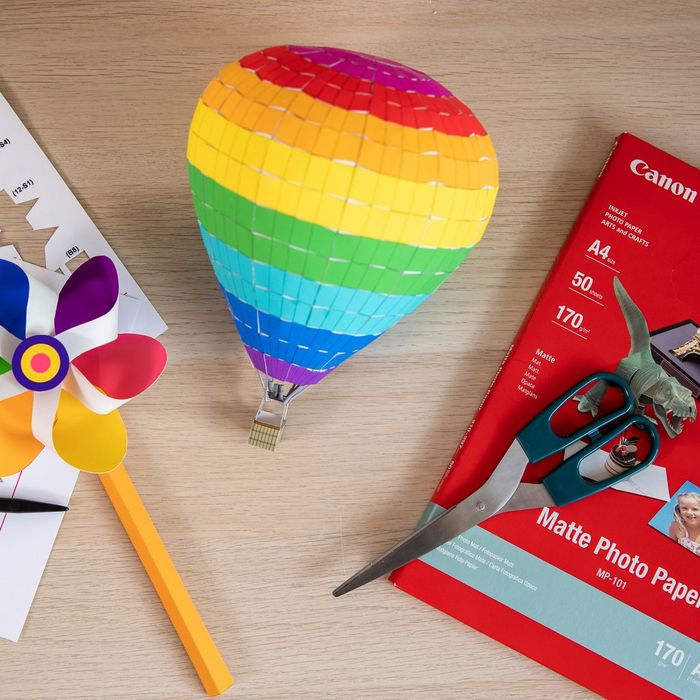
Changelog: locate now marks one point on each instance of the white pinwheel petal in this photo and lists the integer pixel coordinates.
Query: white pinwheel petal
(8, 344)
(90, 396)
(41, 308)
(90, 335)
(44, 415)
(9, 386)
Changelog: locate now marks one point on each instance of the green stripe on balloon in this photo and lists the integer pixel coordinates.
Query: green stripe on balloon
(357, 261)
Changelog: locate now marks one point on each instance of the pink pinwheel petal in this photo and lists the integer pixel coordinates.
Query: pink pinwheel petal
(125, 367)
(90, 292)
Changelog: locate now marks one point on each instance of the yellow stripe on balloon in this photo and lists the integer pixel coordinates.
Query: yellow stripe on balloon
(335, 195)
(383, 147)
(337, 213)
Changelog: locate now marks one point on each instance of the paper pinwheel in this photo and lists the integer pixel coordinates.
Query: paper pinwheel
(335, 192)
(65, 369)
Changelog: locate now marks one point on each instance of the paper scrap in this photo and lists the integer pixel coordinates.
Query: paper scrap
(651, 482)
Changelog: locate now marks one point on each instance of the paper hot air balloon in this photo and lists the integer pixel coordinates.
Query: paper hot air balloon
(335, 192)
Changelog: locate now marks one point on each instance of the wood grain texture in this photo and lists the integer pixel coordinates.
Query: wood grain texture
(261, 539)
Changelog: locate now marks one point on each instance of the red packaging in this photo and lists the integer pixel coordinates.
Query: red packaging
(621, 615)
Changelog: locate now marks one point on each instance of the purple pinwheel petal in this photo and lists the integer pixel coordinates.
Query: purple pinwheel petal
(90, 292)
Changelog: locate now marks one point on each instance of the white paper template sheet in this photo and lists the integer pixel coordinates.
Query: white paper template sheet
(27, 174)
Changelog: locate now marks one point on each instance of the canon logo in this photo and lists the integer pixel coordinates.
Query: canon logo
(639, 167)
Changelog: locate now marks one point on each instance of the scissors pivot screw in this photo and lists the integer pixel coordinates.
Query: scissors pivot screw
(480, 506)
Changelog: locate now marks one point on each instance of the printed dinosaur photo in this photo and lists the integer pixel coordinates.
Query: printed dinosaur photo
(689, 350)
(672, 403)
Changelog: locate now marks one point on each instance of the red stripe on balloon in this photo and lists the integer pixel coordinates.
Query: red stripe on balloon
(282, 67)
(379, 70)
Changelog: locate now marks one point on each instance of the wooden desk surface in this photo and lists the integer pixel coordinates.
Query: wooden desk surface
(261, 539)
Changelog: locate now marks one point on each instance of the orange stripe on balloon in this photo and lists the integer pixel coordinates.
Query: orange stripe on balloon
(247, 84)
(475, 167)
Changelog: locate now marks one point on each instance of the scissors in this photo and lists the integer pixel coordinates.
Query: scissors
(19, 505)
(504, 492)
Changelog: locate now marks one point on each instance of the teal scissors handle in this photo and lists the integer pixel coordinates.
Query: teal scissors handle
(539, 441)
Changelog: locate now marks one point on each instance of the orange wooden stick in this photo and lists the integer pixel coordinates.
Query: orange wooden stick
(205, 657)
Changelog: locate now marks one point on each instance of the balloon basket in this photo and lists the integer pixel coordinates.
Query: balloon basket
(269, 421)
(264, 433)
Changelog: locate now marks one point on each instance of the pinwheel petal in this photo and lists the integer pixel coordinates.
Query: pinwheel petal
(86, 440)
(90, 292)
(8, 345)
(125, 367)
(14, 295)
(18, 447)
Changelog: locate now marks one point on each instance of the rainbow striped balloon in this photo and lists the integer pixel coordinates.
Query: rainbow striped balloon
(335, 191)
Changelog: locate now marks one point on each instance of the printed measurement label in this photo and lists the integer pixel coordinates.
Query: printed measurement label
(677, 660)
(583, 282)
(571, 317)
(4, 142)
(583, 285)
(24, 186)
(670, 653)
(571, 320)
(601, 252)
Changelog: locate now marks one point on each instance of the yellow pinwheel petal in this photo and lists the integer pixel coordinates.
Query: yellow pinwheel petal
(18, 447)
(86, 440)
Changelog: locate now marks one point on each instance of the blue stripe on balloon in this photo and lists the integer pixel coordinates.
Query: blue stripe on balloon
(311, 348)
(299, 300)
(13, 299)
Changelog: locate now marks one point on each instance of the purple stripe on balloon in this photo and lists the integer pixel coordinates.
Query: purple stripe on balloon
(372, 68)
(284, 371)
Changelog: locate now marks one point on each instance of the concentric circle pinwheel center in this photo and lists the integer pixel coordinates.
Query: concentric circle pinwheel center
(40, 363)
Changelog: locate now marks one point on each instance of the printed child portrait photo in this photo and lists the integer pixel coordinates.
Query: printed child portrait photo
(679, 519)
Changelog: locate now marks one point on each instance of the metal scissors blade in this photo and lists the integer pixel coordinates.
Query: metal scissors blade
(483, 503)
(20, 505)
